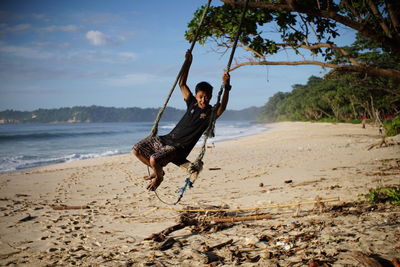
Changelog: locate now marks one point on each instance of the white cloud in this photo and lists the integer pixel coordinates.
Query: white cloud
(62, 28)
(41, 17)
(52, 45)
(97, 38)
(25, 52)
(5, 28)
(102, 56)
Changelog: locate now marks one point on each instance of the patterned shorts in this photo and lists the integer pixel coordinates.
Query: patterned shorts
(152, 147)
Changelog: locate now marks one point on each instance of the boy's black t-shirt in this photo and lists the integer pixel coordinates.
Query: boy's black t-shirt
(189, 129)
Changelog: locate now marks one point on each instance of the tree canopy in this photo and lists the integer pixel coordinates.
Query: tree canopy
(342, 98)
(309, 28)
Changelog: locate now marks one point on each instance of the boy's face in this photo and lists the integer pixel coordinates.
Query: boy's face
(203, 98)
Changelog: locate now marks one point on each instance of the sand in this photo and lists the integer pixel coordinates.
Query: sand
(291, 162)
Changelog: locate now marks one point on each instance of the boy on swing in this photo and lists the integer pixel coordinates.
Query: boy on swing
(156, 152)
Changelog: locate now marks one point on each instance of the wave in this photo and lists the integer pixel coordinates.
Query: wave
(36, 136)
(168, 127)
(17, 163)
(105, 140)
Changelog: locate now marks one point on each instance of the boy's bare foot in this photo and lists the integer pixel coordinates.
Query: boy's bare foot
(152, 176)
(154, 184)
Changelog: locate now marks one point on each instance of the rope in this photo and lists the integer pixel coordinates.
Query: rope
(198, 163)
(154, 130)
(181, 190)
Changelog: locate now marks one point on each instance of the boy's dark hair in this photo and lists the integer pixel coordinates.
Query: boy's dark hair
(205, 87)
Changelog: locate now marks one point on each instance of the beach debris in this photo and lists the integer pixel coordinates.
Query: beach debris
(380, 143)
(193, 219)
(27, 218)
(218, 246)
(161, 236)
(238, 218)
(214, 169)
(288, 181)
(365, 260)
(319, 205)
(285, 245)
(396, 262)
(313, 263)
(211, 257)
(22, 195)
(167, 244)
(66, 207)
(261, 185)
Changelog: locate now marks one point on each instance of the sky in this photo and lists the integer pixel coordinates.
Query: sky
(124, 53)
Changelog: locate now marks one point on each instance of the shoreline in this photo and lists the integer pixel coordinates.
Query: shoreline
(291, 162)
(25, 160)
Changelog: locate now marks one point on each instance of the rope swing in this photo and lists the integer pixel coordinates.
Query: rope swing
(154, 130)
(195, 168)
(197, 165)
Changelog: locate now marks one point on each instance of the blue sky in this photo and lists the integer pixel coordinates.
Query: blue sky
(117, 53)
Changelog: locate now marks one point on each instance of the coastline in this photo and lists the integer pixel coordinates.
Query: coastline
(28, 146)
(289, 162)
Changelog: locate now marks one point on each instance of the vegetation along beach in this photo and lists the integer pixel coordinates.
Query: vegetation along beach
(200, 133)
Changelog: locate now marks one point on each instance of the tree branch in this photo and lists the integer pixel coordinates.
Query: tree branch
(245, 47)
(327, 45)
(364, 29)
(378, 16)
(394, 15)
(353, 11)
(390, 73)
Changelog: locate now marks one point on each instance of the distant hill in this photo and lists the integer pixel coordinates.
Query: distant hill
(109, 114)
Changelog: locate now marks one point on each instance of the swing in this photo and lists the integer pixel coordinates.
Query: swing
(194, 168)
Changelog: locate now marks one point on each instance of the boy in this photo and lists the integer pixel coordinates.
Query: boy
(158, 151)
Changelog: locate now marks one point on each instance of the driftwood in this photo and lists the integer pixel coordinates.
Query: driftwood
(365, 260)
(189, 219)
(27, 218)
(65, 207)
(216, 218)
(255, 208)
(238, 219)
(380, 143)
(210, 257)
(207, 248)
(167, 244)
(161, 236)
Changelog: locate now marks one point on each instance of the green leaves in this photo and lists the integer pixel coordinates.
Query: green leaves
(222, 24)
(392, 127)
(384, 195)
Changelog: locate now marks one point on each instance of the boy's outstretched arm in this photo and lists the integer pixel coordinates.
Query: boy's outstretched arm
(226, 78)
(183, 78)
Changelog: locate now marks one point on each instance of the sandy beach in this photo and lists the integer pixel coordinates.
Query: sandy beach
(291, 162)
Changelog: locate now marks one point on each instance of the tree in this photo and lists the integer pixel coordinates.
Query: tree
(307, 25)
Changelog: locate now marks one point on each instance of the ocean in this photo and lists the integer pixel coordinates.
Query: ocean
(24, 146)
